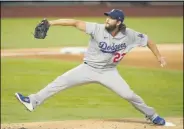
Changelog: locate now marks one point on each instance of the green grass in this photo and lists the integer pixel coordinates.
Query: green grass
(16, 33)
(159, 88)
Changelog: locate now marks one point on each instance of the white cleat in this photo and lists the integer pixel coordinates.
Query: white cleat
(25, 101)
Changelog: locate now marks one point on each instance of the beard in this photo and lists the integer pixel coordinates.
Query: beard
(110, 28)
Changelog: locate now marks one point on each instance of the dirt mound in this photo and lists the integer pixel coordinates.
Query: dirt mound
(96, 124)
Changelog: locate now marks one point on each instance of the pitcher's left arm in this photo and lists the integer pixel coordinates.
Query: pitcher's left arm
(152, 46)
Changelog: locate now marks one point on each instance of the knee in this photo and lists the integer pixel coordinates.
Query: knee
(128, 96)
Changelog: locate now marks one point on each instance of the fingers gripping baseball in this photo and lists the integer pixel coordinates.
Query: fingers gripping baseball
(162, 61)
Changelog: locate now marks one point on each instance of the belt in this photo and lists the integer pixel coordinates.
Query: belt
(85, 63)
(93, 66)
(88, 64)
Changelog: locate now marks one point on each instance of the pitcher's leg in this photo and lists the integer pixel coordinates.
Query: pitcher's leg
(76, 76)
(116, 83)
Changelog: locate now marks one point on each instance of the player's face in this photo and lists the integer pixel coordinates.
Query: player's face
(111, 24)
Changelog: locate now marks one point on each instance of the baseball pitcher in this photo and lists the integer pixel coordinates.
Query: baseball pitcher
(108, 44)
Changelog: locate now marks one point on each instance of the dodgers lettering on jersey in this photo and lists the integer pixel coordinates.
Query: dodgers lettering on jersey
(111, 48)
(105, 51)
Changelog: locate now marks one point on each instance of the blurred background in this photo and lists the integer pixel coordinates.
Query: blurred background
(84, 2)
(83, 8)
(147, 17)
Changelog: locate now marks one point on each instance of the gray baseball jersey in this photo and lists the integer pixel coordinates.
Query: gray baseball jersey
(105, 51)
(103, 54)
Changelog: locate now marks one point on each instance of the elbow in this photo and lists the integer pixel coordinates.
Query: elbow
(75, 23)
(150, 43)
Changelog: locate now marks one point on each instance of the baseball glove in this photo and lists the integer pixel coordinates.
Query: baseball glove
(41, 29)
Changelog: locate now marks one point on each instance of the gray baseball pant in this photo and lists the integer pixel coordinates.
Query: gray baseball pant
(82, 74)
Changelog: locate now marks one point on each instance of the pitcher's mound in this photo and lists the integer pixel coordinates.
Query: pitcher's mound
(95, 124)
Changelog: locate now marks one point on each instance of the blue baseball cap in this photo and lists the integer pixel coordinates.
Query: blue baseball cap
(115, 14)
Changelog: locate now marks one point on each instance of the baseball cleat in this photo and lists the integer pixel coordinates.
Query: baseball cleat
(158, 121)
(25, 101)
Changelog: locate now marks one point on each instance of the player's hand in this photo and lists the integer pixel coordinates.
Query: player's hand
(162, 61)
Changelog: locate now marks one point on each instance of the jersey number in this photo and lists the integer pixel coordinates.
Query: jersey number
(118, 57)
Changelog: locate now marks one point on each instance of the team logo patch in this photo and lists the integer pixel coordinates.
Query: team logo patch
(104, 47)
(140, 35)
